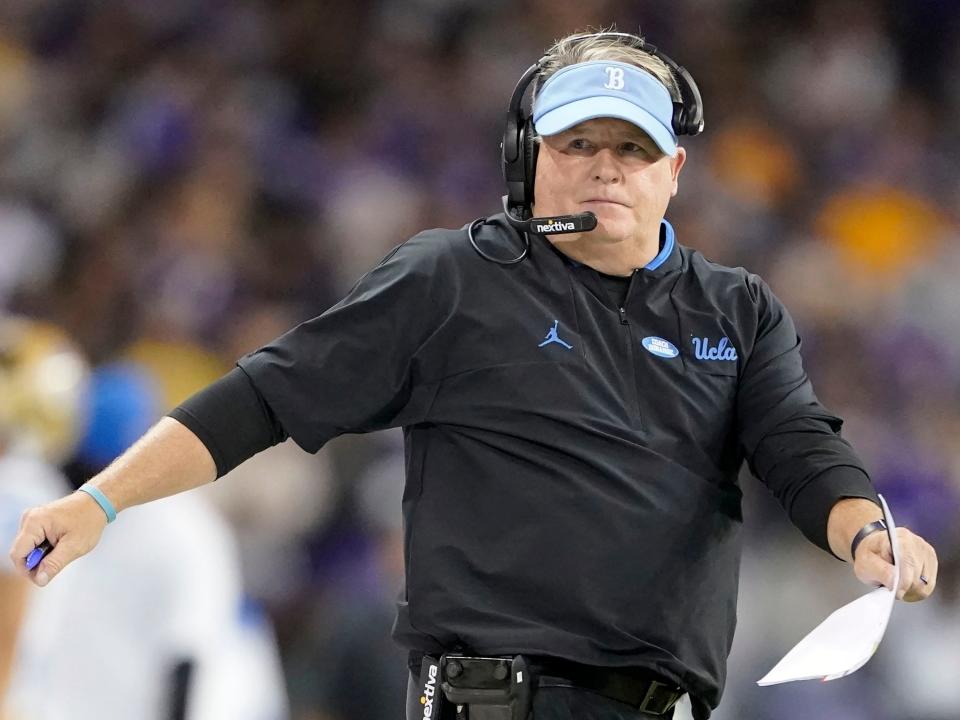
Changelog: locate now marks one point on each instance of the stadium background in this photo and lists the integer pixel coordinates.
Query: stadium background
(181, 181)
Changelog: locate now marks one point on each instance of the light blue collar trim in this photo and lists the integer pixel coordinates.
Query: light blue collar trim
(669, 242)
(660, 259)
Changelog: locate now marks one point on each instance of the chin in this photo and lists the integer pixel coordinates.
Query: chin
(612, 232)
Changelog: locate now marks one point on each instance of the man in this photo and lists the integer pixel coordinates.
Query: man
(572, 501)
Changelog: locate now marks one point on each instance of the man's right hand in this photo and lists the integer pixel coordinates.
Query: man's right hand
(167, 460)
(72, 524)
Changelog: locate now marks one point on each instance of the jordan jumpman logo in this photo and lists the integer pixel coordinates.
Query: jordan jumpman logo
(553, 338)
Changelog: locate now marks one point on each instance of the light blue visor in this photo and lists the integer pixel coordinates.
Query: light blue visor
(604, 88)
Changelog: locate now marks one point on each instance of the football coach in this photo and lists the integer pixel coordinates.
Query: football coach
(578, 391)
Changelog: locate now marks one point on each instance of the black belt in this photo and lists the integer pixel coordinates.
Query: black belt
(639, 689)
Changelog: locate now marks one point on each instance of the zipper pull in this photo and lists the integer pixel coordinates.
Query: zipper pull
(623, 317)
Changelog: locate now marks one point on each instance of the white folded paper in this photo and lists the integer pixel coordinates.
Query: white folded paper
(846, 640)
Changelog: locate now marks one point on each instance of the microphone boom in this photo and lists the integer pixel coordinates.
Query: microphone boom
(554, 225)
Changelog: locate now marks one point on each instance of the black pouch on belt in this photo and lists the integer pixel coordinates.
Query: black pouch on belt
(487, 688)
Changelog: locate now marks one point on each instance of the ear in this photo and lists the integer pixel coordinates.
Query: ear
(676, 164)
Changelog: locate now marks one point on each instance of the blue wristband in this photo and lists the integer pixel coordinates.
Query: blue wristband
(102, 501)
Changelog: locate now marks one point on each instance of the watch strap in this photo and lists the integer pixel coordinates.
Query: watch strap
(868, 529)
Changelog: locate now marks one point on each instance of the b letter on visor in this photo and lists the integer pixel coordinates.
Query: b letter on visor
(604, 88)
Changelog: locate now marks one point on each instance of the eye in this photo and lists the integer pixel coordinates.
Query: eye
(579, 144)
(632, 147)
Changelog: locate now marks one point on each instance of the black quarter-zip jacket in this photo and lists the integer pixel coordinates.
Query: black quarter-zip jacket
(571, 465)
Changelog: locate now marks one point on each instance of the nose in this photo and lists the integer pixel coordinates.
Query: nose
(606, 168)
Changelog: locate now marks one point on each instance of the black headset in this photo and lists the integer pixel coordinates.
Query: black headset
(519, 151)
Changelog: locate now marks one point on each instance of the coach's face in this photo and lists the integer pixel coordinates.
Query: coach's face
(611, 168)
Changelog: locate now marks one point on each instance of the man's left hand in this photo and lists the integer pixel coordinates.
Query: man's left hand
(918, 564)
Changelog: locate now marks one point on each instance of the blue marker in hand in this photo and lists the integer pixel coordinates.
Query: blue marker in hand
(37, 554)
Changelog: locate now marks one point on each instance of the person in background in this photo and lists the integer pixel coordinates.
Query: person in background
(42, 385)
(350, 625)
(162, 612)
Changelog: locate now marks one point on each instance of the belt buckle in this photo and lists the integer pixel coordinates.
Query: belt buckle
(655, 705)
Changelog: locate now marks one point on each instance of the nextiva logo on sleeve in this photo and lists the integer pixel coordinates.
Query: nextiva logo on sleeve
(660, 347)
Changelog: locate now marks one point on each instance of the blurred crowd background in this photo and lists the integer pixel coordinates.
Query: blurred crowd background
(181, 181)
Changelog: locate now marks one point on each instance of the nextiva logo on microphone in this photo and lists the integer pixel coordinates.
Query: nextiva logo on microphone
(660, 347)
(553, 226)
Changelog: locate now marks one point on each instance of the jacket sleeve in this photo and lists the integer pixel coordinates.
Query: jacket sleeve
(791, 442)
(354, 368)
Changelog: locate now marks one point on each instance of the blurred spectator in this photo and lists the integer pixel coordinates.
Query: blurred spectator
(167, 624)
(43, 383)
(349, 628)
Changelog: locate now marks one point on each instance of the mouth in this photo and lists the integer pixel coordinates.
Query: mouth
(603, 201)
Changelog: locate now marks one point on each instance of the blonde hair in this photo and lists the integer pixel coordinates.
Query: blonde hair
(581, 47)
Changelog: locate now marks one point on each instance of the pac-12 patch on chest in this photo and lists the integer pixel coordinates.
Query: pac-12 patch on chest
(660, 347)
(723, 350)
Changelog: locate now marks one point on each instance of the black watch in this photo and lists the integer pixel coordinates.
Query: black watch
(868, 529)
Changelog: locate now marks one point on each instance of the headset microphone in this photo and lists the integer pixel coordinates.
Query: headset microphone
(553, 225)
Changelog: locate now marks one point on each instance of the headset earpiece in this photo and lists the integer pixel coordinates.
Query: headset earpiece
(679, 118)
(688, 108)
(530, 151)
(518, 158)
